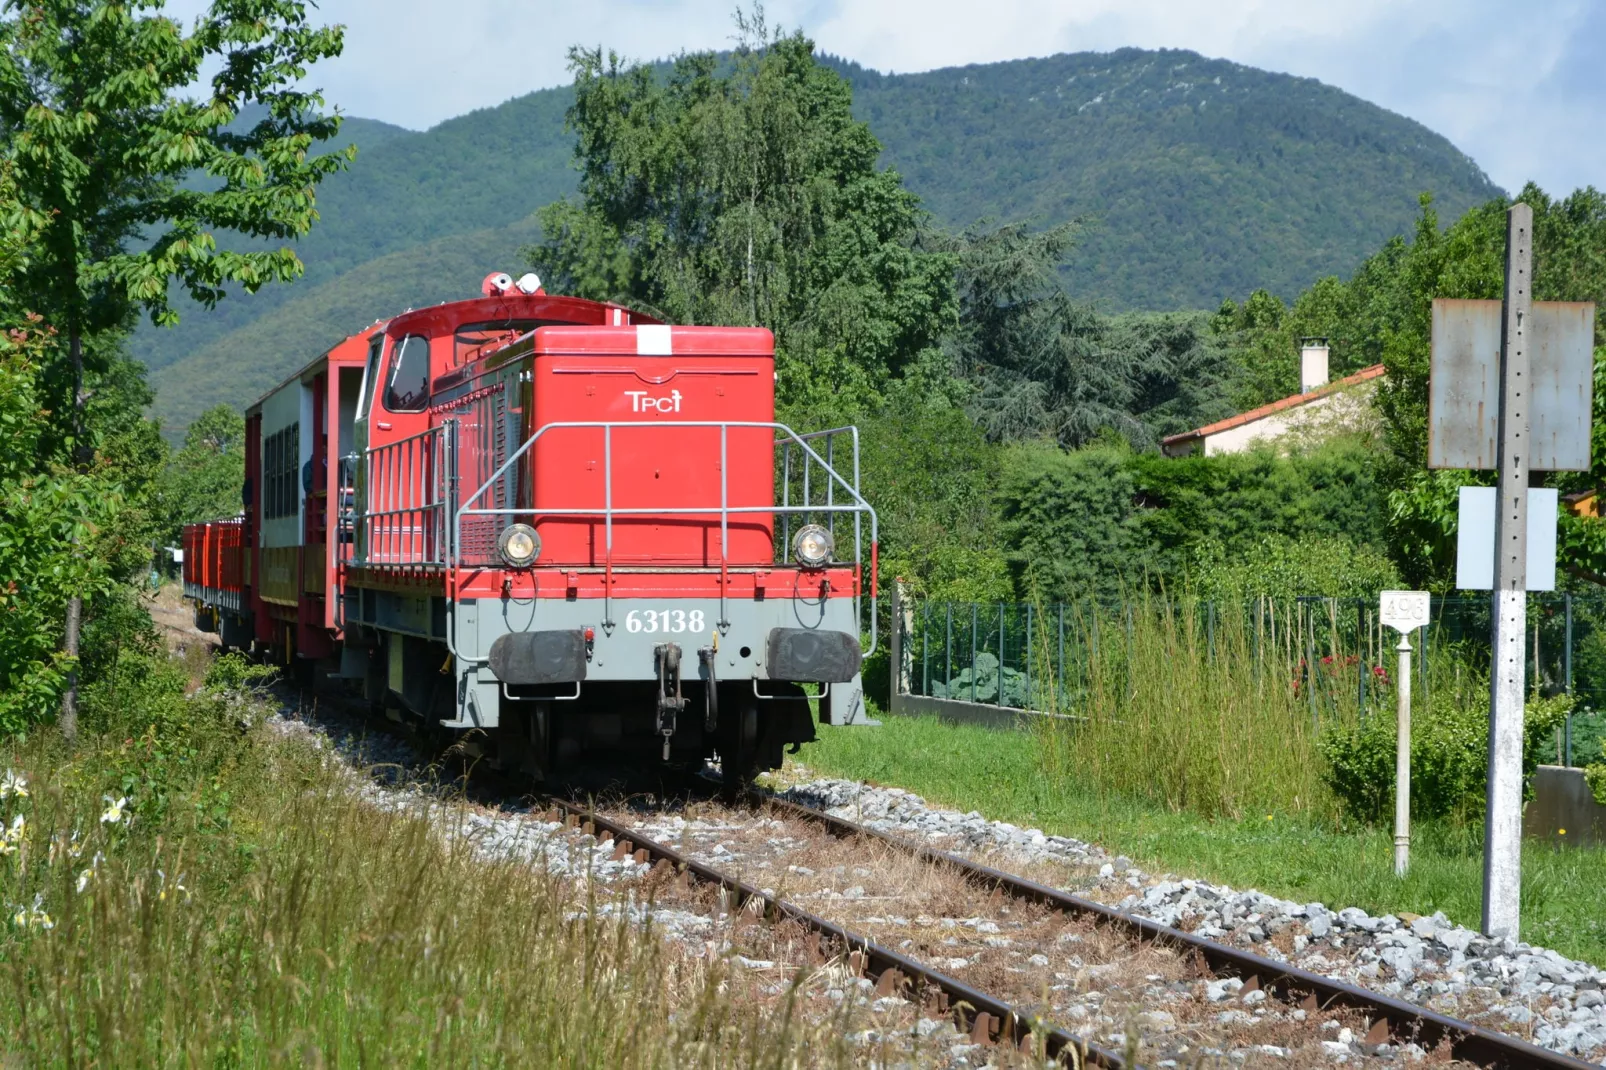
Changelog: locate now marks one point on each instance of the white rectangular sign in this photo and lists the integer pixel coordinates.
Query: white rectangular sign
(1474, 548)
(1404, 611)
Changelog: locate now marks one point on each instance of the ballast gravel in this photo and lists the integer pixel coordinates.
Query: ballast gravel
(391, 775)
(1511, 986)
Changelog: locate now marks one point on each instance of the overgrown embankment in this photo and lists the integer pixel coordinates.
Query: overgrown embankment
(190, 884)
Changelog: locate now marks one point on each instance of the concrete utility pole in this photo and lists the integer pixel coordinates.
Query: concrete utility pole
(1502, 830)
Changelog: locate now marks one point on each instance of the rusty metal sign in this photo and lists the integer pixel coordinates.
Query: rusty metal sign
(1464, 388)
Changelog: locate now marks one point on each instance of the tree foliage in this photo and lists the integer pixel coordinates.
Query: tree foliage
(101, 136)
(117, 181)
(1043, 365)
(1199, 177)
(744, 192)
(1383, 314)
(62, 529)
(204, 478)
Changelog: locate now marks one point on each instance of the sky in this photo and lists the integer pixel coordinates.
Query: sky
(1519, 88)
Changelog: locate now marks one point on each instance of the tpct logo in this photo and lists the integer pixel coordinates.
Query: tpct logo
(642, 401)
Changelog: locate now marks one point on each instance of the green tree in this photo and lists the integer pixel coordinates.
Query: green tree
(1035, 355)
(204, 478)
(48, 511)
(1187, 377)
(1042, 365)
(741, 190)
(125, 181)
(1383, 314)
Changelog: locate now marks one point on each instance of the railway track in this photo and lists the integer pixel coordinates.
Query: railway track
(1000, 1008)
(1384, 1026)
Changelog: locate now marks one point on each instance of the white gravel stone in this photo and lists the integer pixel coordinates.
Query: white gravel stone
(1428, 960)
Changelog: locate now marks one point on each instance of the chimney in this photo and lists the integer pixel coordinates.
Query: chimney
(1312, 364)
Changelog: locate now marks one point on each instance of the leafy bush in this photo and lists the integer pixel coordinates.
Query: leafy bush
(1595, 777)
(1283, 568)
(1101, 520)
(1070, 524)
(986, 679)
(1449, 754)
(1238, 499)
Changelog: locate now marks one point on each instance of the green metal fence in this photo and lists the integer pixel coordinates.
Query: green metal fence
(1334, 651)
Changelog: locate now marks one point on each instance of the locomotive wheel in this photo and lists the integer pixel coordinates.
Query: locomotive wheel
(737, 740)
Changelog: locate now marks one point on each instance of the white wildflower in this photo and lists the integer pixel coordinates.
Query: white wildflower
(88, 874)
(33, 917)
(9, 838)
(114, 810)
(62, 846)
(178, 886)
(13, 783)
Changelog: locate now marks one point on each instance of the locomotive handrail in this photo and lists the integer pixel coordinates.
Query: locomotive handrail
(829, 435)
(608, 511)
(409, 478)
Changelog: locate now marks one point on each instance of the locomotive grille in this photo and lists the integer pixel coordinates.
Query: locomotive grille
(499, 447)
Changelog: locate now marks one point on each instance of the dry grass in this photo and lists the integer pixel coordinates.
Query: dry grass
(261, 913)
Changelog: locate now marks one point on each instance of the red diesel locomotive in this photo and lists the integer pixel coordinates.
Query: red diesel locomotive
(557, 521)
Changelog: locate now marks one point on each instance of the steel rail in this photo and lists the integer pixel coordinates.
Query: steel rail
(1003, 1022)
(987, 1017)
(1406, 1021)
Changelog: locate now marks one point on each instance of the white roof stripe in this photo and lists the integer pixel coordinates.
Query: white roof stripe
(653, 340)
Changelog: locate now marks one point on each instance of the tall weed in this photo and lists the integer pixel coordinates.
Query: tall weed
(1190, 706)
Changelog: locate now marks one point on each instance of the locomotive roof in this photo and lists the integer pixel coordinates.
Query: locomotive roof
(446, 316)
(576, 311)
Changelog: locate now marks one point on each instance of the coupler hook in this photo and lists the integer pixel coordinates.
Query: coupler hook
(711, 717)
(668, 657)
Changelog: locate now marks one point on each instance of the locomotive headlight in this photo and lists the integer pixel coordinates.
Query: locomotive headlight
(519, 545)
(812, 546)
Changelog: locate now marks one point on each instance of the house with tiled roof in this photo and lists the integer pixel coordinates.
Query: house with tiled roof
(1321, 408)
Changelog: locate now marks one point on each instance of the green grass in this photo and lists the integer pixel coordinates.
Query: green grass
(1307, 860)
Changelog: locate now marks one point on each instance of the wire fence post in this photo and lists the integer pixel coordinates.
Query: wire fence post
(925, 650)
(948, 657)
(1310, 666)
(999, 698)
(1567, 681)
(975, 620)
(1029, 691)
(1064, 695)
(1360, 656)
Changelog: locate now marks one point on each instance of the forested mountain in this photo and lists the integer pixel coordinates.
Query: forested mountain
(1198, 179)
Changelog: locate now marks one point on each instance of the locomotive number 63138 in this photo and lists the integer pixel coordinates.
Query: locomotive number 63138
(664, 620)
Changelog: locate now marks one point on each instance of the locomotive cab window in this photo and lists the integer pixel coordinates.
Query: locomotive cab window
(370, 375)
(407, 389)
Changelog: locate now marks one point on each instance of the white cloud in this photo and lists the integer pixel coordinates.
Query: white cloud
(1520, 92)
